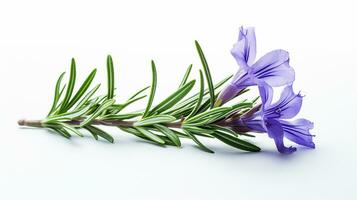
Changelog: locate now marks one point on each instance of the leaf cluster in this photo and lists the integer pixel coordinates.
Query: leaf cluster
(165, 123)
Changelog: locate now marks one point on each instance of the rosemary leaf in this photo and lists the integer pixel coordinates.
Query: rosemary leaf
(99, 110)
(193, 99)
(99, 132)
(200, 96)
(110, 74)
(71, 82)
(173, 98)
(57, 94)
(140, 135)
(150, 135)
(152, 90)
(224, 129)
(157, 119)
(236, 142)
(82, 89)
(66, 127)
(211, 114)
(139, 92)
(61, 132)
(86, 98)
(200, 145)
(185, 77)
(130, 101)
(70, 115)
(198, 130)
(169, 133)
(207, 73)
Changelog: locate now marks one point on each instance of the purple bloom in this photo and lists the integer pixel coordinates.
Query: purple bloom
(273, 67)
(271, 118)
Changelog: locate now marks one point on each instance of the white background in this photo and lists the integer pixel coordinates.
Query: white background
(38, 39)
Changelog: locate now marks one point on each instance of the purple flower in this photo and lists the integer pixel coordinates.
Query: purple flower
(273, 67)
(271, 118)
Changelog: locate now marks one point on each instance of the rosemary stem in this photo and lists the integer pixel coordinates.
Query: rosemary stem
(31, 123)
(122, 123)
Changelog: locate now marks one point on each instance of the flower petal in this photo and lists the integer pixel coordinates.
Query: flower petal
(274, 68)
(240, 81)
(287, 107)
(244, 51)
(266, 93)
(254, 123)
(298, 131)
(275, 131)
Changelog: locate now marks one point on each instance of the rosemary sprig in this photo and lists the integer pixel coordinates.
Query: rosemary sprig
(195, 116)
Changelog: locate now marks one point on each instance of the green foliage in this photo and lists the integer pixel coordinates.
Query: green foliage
(157, 119)
(207, 73)
(236, 142)
(82, 89)
(173, 98)
(57, 94)
(152, 90)
(70, 87)
(185, 77)
(199, 144)
(150, 135)
(169, 133)
(179, 115)
(200, 97)
(110, 74)
(102, 108)
(98, 132)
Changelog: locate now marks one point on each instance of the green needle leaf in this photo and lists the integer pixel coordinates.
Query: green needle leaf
(106, 104)
(110, 73)
(173, 98)
(57, 94)
(209, 115)
(200, 96)
(70, 128)
(236, 142)
(177, 109)
(59, 125)
(199, 131)
(207, 73)
(61, 132)
(120, 107)
(132, 131)
(185, 77)
(166, 140)
(70, 115)
(99, 132)
(71, 82)
(224, 129)
(139, 92)
(150, 135)
(152, 90)
(93, 134)
(200, 145)
(236, 108)
(157, 119)
(169, 133)
(140, 135)
(179, 134)
(82, 89)
(86, 98)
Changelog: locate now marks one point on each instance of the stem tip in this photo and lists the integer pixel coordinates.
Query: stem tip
(21, 122)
